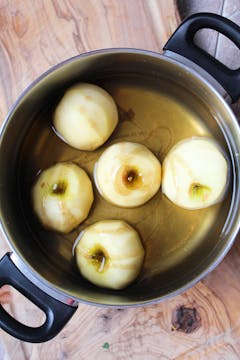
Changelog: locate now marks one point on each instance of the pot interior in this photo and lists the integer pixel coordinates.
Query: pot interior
(160, 103)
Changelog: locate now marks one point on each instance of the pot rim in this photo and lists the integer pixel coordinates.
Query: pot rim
(61, 294)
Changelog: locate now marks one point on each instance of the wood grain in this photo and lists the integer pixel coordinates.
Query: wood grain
(35, 35)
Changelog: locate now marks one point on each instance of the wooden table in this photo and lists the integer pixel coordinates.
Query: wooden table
(36, 34)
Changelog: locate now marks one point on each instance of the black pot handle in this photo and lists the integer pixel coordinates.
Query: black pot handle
(57, 313)
(182, 42)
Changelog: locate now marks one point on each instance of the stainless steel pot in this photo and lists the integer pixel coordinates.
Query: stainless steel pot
(41, 275)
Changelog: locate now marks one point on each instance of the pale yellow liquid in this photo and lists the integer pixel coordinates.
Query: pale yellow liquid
(151, 116)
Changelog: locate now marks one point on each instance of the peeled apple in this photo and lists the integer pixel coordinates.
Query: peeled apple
(86, 116)
(62, 197)
(109, 254)
(195, 173)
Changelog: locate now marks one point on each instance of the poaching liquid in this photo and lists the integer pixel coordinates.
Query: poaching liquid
(158, 116)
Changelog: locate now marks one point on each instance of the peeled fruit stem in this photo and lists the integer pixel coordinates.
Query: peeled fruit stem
(62, 197)
(109, 254)
(198, 191)
(86, 116)
(127, 174)
(195, 173)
